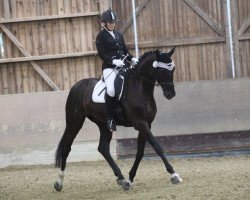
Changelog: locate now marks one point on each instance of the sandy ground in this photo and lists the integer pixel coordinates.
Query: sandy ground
(203, 178)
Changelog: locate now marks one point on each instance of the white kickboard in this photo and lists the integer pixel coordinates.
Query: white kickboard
(96, 96)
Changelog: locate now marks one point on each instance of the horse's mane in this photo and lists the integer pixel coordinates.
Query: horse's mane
(145, 55)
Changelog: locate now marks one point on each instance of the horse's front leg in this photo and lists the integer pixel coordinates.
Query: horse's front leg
(141, 141)
(104, 149)
(144, 128)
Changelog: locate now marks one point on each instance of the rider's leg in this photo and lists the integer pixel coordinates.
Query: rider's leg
(110, 102)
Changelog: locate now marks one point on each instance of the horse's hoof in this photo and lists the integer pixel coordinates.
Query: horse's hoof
(126, 185)
(175, 179)
(58, 186)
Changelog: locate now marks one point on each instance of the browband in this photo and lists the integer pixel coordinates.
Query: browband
(169, 66)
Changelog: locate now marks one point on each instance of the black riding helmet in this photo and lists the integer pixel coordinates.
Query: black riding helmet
(109, 16)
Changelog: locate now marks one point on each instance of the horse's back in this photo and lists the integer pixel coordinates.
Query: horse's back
(81, 92)
(84, 85)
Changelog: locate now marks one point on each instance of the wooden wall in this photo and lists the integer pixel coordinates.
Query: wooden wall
(198, 28)
(55, 44)
(59, 34)
(242, 22)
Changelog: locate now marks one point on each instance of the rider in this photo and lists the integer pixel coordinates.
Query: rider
(112, 50)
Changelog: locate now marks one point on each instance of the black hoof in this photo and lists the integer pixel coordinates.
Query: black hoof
(58, 186)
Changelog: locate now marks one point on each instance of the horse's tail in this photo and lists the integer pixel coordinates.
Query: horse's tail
(58, 155)
(62, 144)
(75, 116)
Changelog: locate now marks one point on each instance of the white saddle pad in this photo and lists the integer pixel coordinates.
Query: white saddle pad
(99, 92)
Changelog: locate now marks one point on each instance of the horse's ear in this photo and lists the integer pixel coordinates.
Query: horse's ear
(157, 53)
(171, 52)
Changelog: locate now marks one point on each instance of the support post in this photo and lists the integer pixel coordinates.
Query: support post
(135, 30)
(235, 38)
(229, 41)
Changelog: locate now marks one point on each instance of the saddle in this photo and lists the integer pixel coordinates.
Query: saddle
(98, 94)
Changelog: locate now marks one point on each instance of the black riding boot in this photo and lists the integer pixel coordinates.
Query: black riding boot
(110, 104)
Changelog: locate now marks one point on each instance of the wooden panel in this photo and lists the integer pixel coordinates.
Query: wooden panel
(243, 17)
(63, 32)
(58, 31)
(25, 53)
(195, 27)
(1, 9)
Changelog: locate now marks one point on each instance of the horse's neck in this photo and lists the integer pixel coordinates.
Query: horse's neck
(145, 77)
(145, 68)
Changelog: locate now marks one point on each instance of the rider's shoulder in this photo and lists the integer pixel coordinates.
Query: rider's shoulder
(118, 34)
(100, 35)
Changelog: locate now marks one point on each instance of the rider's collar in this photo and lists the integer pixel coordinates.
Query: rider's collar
(112, 33)
(169, 66)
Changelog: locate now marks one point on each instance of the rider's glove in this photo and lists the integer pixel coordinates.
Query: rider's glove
(118, 62)
(134, 61)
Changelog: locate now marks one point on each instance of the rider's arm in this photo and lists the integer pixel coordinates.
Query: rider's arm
(100, 45)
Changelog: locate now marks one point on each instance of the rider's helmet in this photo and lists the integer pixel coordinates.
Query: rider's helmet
(109, 16)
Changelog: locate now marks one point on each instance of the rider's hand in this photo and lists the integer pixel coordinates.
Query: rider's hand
(134, 61)
(118, 62)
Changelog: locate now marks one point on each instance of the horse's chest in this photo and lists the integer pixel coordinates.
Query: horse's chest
(151, 111)
(146, 110)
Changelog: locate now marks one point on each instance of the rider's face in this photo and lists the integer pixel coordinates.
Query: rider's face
(111, 26)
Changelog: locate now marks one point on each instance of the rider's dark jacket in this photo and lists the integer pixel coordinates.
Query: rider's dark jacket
(110, 48)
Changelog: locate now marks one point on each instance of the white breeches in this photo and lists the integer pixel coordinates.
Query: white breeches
(109, 75)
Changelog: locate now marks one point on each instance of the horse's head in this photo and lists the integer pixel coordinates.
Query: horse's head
(164, 72)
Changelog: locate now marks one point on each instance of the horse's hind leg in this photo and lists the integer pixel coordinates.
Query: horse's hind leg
(74, 122)
(104, 149)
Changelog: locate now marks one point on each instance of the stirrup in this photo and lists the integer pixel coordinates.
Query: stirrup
(111, 125)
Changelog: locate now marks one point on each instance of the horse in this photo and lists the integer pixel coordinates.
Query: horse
(138, 111)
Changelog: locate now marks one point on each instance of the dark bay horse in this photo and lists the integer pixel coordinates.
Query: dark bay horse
(138, 111)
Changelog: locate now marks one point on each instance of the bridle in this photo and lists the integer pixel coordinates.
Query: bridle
(143, 77)
(169, 66)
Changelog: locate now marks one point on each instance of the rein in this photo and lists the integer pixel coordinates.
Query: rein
(143, 77)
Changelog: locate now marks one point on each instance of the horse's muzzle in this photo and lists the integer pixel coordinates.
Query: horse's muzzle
(169, 94)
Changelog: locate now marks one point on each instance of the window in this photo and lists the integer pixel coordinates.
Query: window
(1, 46)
